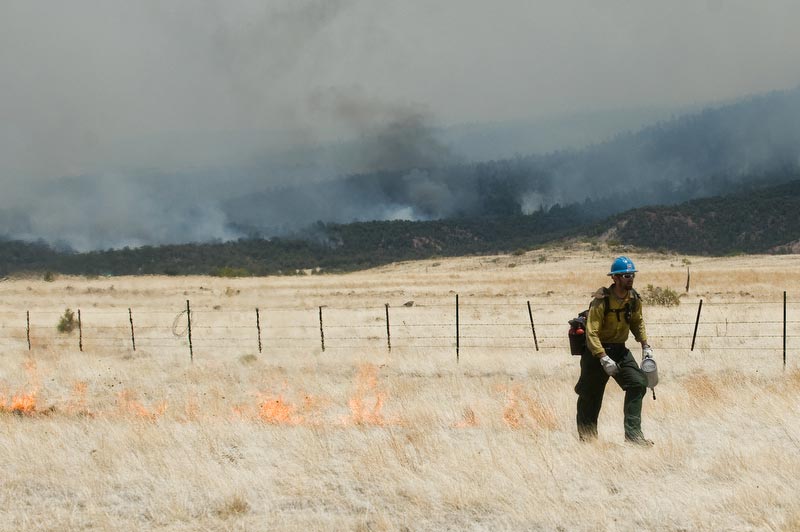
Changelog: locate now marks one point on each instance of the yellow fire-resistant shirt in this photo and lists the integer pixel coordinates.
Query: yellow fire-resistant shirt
(605, 328)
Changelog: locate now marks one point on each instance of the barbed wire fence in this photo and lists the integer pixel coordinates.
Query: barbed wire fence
(458, 327)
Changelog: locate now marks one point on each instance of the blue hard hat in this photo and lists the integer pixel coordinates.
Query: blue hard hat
(622, 265)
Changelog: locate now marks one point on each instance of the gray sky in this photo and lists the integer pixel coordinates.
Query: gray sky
(111, 86)
(83, 83)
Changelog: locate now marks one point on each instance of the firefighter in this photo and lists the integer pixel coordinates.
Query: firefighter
(614, 313)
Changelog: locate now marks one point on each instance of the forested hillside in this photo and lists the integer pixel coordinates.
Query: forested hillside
(761, 219)
(329, 247)
(757, 220)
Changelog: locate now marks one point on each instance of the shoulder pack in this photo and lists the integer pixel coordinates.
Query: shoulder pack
(577, 325)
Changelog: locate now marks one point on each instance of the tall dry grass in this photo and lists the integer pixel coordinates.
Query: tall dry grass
(366, 439)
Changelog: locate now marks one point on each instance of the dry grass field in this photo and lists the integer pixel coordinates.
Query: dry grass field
(358, 437)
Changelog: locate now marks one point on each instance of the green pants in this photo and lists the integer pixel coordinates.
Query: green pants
(592, 385)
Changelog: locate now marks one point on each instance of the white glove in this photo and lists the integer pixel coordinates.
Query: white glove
(609, 366)
(647, 352)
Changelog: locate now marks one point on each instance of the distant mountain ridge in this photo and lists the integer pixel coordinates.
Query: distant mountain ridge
(754, 219)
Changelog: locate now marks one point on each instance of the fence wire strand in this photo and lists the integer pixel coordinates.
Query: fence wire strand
(481, 325)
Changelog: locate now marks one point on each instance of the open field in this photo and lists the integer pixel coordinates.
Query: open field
(362, 438)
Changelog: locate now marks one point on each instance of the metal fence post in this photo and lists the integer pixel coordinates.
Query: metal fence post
(696, 323)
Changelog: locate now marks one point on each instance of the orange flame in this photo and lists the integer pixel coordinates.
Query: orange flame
(134, 408)
(22, 403)
(522, 410)
(363, 410)
(77, 405)
(276, 411)
(511, 413)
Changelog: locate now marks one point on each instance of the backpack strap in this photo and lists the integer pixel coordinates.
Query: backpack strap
(604, 293)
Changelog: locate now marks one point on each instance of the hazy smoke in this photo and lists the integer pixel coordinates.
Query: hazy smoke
(149, 122)
(389, 136)
(407, 172)
(99, 212)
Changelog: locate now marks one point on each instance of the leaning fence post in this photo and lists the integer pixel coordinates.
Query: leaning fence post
(533, 329)
(687, 279)
(388, 330)
(321, 331)
(258, 326)
(189, 330)
(133, 335)
(784, 329)
(28, 327)
(696, 323)
(458, 339)
(80, 331)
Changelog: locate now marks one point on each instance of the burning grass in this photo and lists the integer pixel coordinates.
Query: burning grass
(20, 403)
(129, 405)
(367, 400)
(23, 402)
(276, 411)
(524, 410)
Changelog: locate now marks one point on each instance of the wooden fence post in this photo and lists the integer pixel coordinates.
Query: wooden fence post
(133, 335)
(321, 331)
(189, 329)
(533, 328)
(258, 326)
(80, 332)
(388, 330)
(458, 336)
(28, 327)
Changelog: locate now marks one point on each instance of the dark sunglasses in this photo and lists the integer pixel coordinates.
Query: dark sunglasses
(627, 275)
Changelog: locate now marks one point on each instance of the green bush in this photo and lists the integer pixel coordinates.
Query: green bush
(229, 271)
(67, 322)
(665, 297)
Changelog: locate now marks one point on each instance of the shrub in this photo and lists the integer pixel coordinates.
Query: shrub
(228, 271)
(248, 359)
(665, 297)
(67, 322)
(49, 277)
